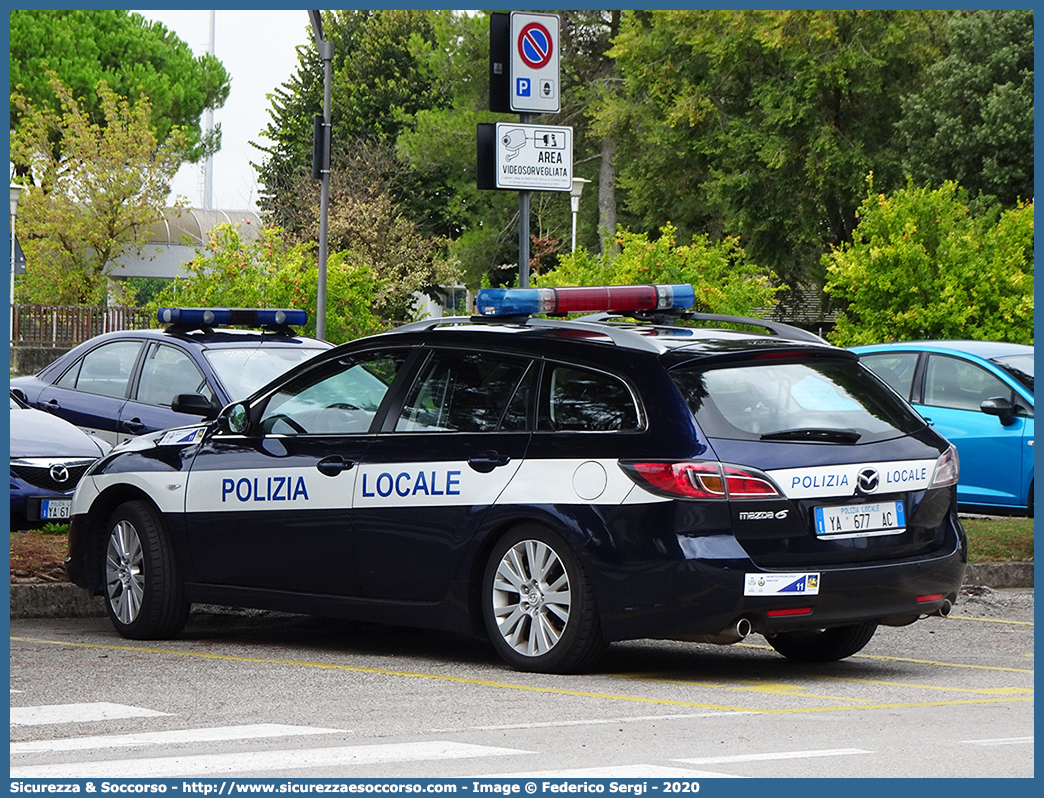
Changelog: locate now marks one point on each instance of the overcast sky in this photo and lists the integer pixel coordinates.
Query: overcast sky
(257, 49)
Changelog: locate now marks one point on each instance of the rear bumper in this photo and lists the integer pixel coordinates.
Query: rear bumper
(706, 597)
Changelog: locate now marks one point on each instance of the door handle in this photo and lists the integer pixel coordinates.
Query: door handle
(133, 425)
(333, 465)
(52, 405)
(487, 461)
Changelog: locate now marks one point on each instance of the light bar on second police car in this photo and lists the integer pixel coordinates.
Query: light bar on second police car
(224, 317)
(606, 298)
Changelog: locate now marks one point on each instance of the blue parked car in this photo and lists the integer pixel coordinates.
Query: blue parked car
(979, 395)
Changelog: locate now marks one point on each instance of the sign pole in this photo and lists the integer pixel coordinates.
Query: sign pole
(523, 228)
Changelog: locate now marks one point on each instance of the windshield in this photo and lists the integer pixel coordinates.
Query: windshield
(243, 370)
(1018, 366)
(821, 402)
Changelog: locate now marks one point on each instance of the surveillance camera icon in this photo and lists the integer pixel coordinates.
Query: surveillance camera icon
(514, 140)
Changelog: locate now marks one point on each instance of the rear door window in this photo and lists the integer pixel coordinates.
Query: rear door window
(466, 392)
(895, 368)
(585, 400)
(105, 370)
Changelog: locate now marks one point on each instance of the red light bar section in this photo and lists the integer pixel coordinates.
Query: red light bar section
(790, 611)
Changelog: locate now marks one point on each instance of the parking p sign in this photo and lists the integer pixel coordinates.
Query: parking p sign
(535, 59)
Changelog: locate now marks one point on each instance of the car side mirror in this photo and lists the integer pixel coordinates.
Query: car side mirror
(1001, 408)
(234, 419)
(194, 404)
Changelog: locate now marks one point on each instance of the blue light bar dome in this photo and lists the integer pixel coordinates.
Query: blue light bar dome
(227, 317)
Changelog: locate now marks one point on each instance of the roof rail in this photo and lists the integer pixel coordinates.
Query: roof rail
(778, 328)
(620, 336)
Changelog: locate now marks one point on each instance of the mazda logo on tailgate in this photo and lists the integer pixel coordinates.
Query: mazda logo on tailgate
(867, 480)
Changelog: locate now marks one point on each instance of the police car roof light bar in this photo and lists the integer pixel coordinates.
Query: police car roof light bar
(226, 317)
(527, 301)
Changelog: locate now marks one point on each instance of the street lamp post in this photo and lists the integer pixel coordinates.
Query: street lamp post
(16, 192)
(574, 202)
(326, 53)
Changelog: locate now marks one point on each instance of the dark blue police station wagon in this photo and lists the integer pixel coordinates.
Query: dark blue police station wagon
(550, 484)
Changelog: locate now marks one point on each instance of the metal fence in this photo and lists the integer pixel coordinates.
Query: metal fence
(68, 325)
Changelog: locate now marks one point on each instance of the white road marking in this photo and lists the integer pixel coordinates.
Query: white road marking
(253, 763)
(175, 737)
(771, 756)
(640, 771)
(1001, 741)
(595, 721)
(77, 713)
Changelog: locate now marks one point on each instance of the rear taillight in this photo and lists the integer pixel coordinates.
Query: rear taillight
(701, 480)
(947, 469)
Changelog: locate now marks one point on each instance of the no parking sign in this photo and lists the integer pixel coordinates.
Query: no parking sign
(535, 82)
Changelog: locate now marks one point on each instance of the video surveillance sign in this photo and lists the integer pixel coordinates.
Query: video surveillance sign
(535, 59)
(534, 157)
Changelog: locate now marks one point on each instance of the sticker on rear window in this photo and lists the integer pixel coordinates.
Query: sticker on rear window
(781, 585)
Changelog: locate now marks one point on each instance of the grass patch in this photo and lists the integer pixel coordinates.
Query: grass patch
(999, 539)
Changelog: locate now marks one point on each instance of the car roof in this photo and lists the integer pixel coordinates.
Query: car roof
(212, 338)
(554, 335)
(984, 349)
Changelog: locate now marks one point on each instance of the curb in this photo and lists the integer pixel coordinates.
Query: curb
(65, 600)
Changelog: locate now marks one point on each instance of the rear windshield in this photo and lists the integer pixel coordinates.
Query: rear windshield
(820, 402)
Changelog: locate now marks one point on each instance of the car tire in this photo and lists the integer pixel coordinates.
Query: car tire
(538, 604)
(823, 645)
(144, 595)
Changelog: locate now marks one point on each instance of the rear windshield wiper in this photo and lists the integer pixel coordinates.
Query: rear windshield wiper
(813, 434)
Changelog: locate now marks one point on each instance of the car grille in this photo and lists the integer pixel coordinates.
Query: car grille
(48, 473)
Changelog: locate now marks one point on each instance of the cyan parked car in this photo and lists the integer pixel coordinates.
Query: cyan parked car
(979, 395)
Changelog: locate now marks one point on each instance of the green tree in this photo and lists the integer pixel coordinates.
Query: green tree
(972, 122)
(270, 272)
(369, 230)
(91, 200)
(724, 280)
(760, 124)
(136, 59)
(376, 85)
(922, 265)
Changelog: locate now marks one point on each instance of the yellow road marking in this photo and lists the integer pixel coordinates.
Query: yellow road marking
(509, 685)
(973, 690)
(987, 620)
(916, 661)
(772, 688)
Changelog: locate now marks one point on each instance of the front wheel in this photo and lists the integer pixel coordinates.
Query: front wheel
(823, 645)
(538, 604)
(143, 590)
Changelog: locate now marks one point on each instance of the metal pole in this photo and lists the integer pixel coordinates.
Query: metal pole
(208, 121)
(326, 52)
(324, 193)
(523, 228)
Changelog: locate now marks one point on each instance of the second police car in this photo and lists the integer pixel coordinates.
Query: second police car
(551, 484)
